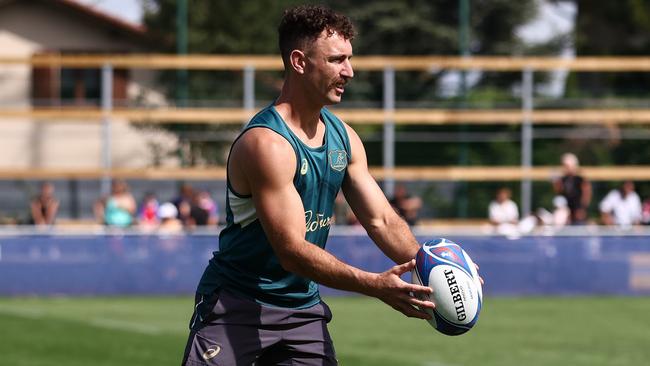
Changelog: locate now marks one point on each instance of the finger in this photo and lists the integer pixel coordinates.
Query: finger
(423, 304)
(412, 312)
(404, 267)
(481, 279)
(477, 267)
(417, 289)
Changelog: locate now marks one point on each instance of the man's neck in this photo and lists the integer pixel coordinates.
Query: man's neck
(298, 110)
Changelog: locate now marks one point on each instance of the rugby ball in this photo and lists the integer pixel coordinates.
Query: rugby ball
(457, 294)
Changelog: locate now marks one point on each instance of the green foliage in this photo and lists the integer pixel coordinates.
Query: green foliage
(620, 28)
(421, 27)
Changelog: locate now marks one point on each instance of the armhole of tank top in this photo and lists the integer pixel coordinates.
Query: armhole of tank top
(346, 139)
(334, 120)
(230, 187)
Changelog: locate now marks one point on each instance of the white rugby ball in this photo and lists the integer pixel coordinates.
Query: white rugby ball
(457, 293)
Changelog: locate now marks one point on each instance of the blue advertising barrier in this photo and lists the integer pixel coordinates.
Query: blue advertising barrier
(111, 264)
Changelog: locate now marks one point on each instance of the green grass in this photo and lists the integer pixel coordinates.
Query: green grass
(511, 331)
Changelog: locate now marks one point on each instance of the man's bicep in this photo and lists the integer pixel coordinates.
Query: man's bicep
(281, 214)
(277, 203)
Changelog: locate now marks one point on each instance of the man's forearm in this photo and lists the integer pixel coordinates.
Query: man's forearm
(394, 237)
(322, 267)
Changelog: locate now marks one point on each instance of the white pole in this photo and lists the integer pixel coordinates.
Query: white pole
(389, 130)
(107, 107)
(526, 139)
(249, 90)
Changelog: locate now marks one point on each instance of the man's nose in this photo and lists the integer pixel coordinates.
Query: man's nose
(347, 71)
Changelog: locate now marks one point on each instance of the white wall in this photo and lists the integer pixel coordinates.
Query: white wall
(27, 28)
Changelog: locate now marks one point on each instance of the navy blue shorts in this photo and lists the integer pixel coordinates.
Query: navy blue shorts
(227, 330)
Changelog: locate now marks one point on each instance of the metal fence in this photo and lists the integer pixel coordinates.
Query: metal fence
(389, 115)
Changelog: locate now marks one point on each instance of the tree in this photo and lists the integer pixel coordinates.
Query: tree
(621, 28)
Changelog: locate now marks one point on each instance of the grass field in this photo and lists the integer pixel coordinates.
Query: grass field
(511, 331)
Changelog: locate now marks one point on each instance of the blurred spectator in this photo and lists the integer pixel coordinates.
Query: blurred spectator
(574, 188)
(118, 209)
(504, 215)
(621, 206)
(183, 203)
(561, 212)
(560, 215)
(198, 215)
(204, 202)
(503, 210)
(148, 214)
(44, 206)
(169, 223)
(406, 206)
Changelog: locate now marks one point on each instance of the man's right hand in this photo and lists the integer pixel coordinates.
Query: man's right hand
(402, 296)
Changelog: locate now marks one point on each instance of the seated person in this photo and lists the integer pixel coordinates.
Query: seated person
(118, 209)
(621, 206)
(148, 214)
(502, 209)
(504, 215)
(44, 206)
(407, 206)
(169, 223)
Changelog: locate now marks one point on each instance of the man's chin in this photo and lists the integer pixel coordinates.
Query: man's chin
(334, 99)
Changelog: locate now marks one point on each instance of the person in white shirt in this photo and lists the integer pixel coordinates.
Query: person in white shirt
(621, 206)
(503, 210)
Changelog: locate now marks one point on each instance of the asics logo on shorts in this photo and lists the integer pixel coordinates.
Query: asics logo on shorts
(212, 352)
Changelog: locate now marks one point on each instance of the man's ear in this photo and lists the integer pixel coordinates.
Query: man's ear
(298, 61)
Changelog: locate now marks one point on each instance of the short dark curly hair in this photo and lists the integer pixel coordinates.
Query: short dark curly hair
(303, 24)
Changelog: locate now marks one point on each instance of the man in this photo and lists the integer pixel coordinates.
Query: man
(258, 302)
(44, 206)
(575, 188)
(622, 206)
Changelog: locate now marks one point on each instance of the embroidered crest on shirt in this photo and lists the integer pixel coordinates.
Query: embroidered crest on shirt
(338, 159)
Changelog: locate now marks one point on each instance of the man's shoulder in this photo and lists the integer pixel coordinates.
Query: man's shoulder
(264, 140)
(634, 196)
(612, 197)
(263, 156)
(264, 115)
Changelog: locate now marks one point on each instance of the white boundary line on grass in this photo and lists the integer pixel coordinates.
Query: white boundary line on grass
(123, 325)
(93, 322)
(436, 363)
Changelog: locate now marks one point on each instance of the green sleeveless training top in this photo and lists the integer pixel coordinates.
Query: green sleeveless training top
(245, 263)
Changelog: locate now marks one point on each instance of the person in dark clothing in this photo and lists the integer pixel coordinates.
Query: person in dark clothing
(407, 206)
(575, 188)
(44, 206)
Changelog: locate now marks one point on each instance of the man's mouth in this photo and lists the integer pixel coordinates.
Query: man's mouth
(339, 88)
